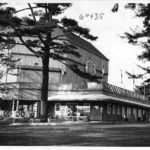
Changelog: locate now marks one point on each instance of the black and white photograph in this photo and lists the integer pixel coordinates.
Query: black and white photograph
(74, 73)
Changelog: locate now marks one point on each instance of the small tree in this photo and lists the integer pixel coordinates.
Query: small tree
(7, 64)
(41, 24)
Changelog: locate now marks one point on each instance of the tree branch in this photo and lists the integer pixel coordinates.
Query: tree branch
(39, 35)
(24, 9)
(56, 37)
(24, 43)
(27, 45)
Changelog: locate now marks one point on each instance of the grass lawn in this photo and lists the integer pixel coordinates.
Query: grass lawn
(75, 135)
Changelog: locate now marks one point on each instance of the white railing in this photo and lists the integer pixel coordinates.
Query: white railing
(1, 113)
(77, 118)
(122, 92)
(26, 88)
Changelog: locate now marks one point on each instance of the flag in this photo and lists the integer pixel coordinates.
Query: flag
(121, 77)
(133, 78)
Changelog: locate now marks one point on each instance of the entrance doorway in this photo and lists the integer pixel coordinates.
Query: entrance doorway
(96, 112)
(72, 109)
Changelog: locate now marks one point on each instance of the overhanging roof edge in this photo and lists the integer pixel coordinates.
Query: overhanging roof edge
(94, 97)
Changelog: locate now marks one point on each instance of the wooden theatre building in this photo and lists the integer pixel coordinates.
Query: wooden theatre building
(71, 96)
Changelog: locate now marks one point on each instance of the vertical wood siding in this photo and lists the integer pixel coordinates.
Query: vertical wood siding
(36, 76)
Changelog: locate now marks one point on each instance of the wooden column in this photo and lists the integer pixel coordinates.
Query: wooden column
(28, 107)
(137, 113)
(120, 110)
(101, 108)
(13, 105)
(111, 109)
(132, 114)
(126, 111)
(17, 106)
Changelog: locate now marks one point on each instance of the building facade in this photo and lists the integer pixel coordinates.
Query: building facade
(102, 102)
(28, 72)
(70, 96)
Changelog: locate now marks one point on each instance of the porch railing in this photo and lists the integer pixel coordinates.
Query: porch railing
(122, 92)
(91, 87)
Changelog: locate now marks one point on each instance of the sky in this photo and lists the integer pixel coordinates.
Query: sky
(108, 27)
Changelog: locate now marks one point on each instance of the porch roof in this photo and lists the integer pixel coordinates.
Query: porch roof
(97, 97)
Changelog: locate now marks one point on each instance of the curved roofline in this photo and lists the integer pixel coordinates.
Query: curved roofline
(95, 50)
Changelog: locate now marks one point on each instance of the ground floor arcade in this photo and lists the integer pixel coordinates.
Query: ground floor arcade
(102, 110)
(20, 108)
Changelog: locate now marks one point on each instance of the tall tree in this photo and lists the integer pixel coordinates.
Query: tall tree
(41, 24)
(139, 36)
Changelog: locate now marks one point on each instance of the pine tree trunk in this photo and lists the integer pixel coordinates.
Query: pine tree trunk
(45, 82)
(45, 76)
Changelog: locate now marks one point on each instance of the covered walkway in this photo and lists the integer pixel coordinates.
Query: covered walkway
(100, 102)
(103, 101)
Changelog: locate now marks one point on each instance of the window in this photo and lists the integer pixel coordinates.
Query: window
(108, 108)
(118, 109)
(57, 107)
(135, 111)
(139, 112)
(143, 112)
(36, 64)
(87, 107)
(128, 111)
(123, 110)
(114, 109)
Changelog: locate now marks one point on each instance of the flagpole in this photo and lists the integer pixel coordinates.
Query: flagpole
(121, 79)
(102, 73)
(144, 88)
(133, 79)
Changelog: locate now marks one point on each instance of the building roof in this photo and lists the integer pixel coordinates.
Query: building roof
(78, 40)
(85, 44)
(73, 38)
